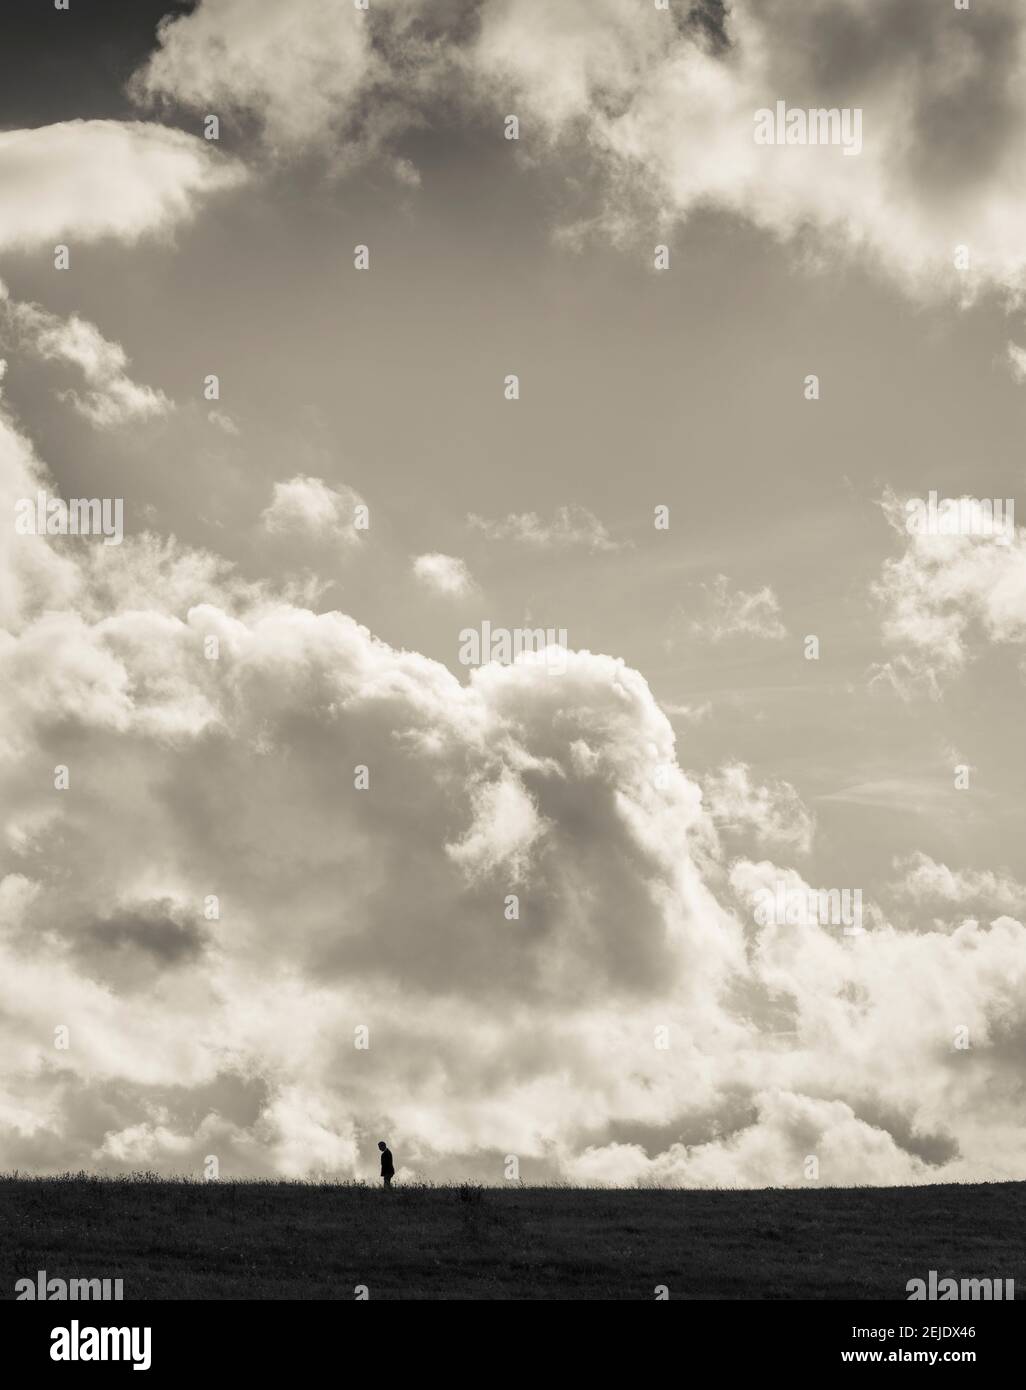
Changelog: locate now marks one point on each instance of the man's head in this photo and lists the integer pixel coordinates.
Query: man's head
(381, 1145)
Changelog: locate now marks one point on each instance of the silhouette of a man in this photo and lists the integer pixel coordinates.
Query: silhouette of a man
(387, 1166)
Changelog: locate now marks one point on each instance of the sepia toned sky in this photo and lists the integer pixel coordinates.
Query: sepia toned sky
(689, 753)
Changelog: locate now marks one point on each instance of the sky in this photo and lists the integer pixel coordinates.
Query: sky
(261, 827)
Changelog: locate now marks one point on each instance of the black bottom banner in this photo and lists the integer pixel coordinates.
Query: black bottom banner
(165, 1339)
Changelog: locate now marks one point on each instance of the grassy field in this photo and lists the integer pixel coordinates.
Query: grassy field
(266, 1240)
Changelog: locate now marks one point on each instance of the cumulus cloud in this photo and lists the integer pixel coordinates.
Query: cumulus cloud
(281, 830)
(570, 526)
(854, 989)
(943, 596)
(217, 904)
(662, 105)
(505, 826)
(313, 77)
(113, 398)
(787, 1130)
(445, 574)
(667, 109)
(306, 506)
(926, 882)
(735, 612)
(84, 180)
(773, 812)
(301, 65)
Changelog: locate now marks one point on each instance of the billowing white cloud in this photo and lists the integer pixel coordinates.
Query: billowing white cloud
(326, 77)
(543, 939)
(663, 103)
(79, 181)
(445, 574)
(787, 1130)
(667, 109)
(506, 825)
(927, 883)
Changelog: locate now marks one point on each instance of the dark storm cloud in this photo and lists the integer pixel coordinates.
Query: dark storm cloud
(150, 929)
(708, 18)
(134, 946)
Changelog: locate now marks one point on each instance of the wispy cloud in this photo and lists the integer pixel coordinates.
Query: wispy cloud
(572, 525)
(113, 398)
(737, 613)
